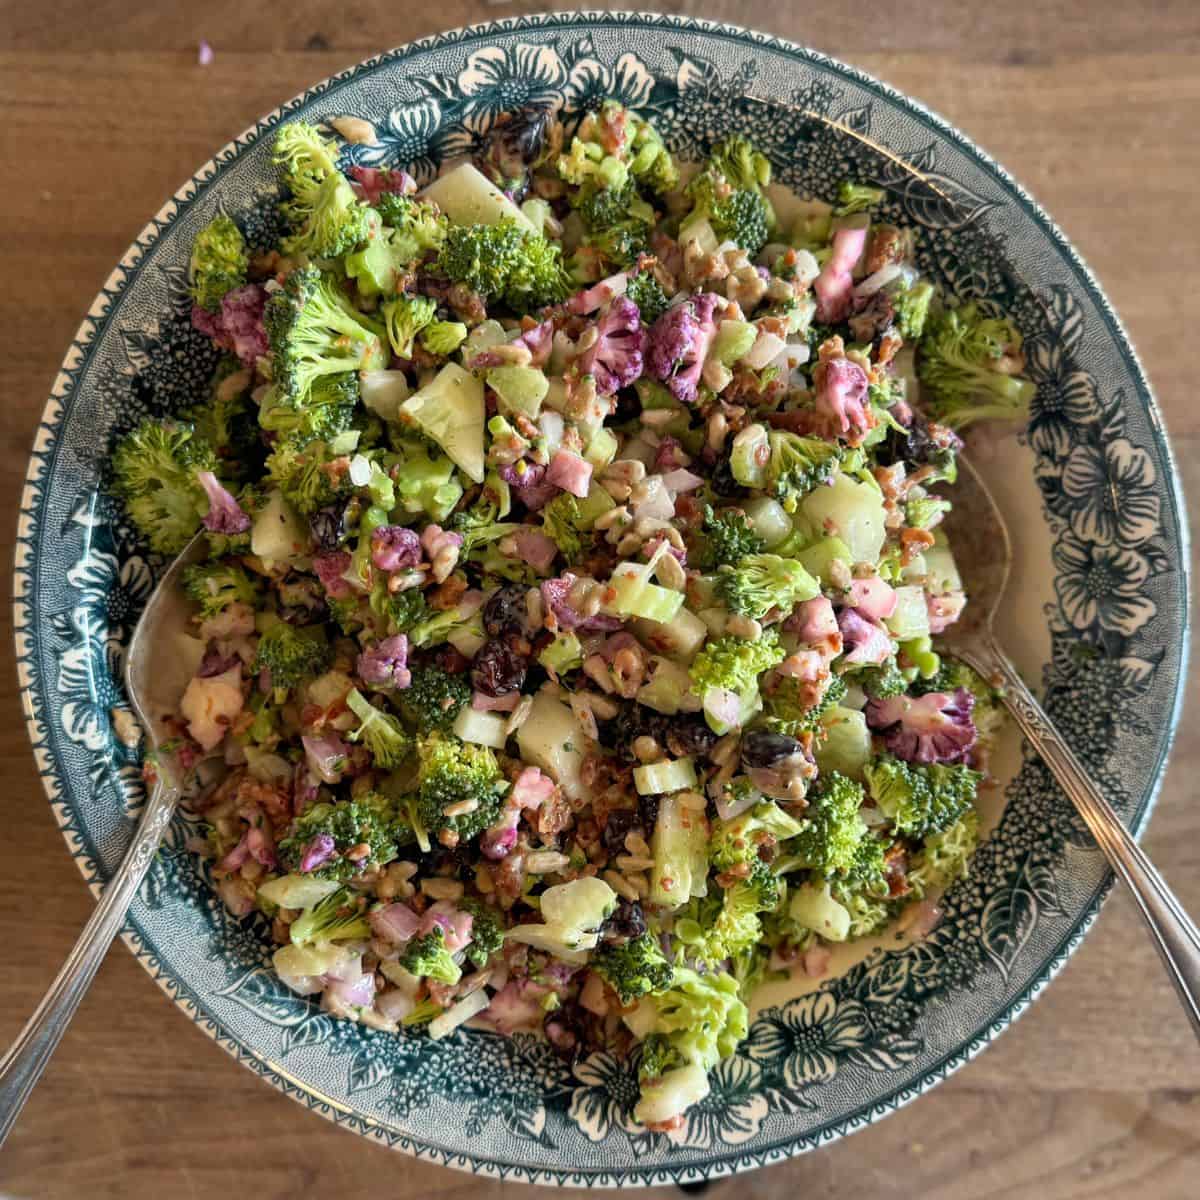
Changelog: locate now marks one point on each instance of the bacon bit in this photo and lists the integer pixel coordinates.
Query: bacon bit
(735, 874)
(889, 346)
(912, 543)
(886, 245)
(448, 594)
(895, 871)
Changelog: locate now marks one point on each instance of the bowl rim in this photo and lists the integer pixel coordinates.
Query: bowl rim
(26, 625)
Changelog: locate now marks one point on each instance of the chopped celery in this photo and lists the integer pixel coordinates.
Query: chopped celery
(521, 389)
(847, 744)
(670, 775)
(635, 596)
(850, 510)
(562, 655)
(911, 618)
(681, 828)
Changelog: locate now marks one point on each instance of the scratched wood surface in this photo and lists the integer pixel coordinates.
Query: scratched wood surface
(104, 111)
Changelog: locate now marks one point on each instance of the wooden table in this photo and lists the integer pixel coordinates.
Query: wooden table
(104, 111)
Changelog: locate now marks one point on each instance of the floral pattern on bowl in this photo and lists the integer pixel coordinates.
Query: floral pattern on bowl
(816, 1065)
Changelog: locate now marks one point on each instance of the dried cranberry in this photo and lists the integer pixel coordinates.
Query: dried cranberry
(648, 808)
(767, 750)
(723, 482)
(621, 821)
(497, 670)
(627, 922)
(329, 526)
(690, 735)
(506, 611)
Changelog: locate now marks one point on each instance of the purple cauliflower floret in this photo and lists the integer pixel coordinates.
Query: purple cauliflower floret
(865, 642)
(934, 728)
(678, 345)
(529, 484)
(842, 396)
(386, 663)
(224, 514)
(617, 357)
(395, 548)
(317, 853)
(238, 327)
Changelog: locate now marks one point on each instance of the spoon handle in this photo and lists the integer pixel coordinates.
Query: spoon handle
(1175, 935)
(27, 1057)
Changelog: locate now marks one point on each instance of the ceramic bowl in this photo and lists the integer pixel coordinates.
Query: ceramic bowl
(1098, 619)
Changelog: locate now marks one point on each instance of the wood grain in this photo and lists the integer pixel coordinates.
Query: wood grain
(104, 111)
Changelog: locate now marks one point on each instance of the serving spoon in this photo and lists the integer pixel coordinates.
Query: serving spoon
(983, 551)
(154, 680)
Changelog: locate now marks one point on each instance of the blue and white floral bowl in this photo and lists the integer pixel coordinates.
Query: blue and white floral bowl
(1101, 617)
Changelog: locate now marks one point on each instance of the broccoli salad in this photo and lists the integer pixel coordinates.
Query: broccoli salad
(564, 651)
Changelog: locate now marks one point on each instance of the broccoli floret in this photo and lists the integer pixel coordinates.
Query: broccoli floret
(417, 226)
(505, 261)
(480, 525)
(326, 831)
(635, 968)
(741, 839)
(291, 655)
(728, 538)
(487, 931)
(454, 772)
(435, 629)
(856, 198)
(881, 682)
(402, 610)
(443, 337)
(945, 857)
(702, 1017)
(329, 411)
(737, 928)
(787, 710)
(216, 585)
(646, 292)
(561, 523)
(728, 193)
(154, 471)
(912, 309)
(301, 473)
(380, 732)
(435, 698)
(426, 957)
(969, 364)
(924, 512)
(602, 207)
(327, 217)
(404, 318)
(218, 263)
(613, 144)
(314, 331)
(735, 664)
(657, 1057)
(797, 465)
(833, 827)
(761, 582)
(920, 800)
(301, 152)
(339, 916)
